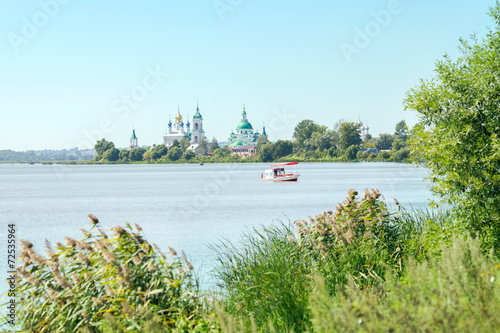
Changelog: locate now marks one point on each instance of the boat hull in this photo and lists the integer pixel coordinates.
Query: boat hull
(293, 178)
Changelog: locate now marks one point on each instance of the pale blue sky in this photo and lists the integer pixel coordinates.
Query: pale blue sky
(62, 84)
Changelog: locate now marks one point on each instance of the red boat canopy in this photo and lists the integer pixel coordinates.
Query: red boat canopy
(283, 164)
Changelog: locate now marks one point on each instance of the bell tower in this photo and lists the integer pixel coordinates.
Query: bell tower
(134, 142)
(197, 131)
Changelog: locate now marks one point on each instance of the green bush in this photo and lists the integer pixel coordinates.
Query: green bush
(383, 155)
(81, 282)
(401, 155)
(359, 240)
(456, 292)
(362, 155)
(351, 152)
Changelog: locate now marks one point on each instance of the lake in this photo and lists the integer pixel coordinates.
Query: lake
(185, 206)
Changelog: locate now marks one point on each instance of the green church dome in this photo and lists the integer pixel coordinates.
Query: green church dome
(244, 125)
(237, 143)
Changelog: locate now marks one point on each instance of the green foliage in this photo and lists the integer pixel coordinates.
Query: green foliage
(137, 154)
(351, 152)
(401, 155)
(266, 152)
(176, 143)
(184, 144)
(265, 279)
(305, 129)
(401, 131)
(349, 135)
(369, 144)
(383, 156)
(101, 147)
(458, 131)
(213, 145)
(188, 155)
(221, 153)
(334, 152)
(384, 141)
(398, 144)
(158, 151)
(111, 155)
(282, 148)
(367, 139)
(77, 284)
(358, 240)
(321, 140)
(204, 144)
(456, 292)
(361, 155)
(174, 153)
(124, 155)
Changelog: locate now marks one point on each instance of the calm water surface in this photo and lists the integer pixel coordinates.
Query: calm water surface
(186, 207)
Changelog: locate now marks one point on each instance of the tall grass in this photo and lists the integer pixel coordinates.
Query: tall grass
(265, 280)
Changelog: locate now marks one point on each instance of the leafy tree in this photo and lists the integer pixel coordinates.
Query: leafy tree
(369, 145)
(262, 140)
(367, 138)
(338, 123)
(159, 151)
(333, 152)
(220, 153)
(401, 131)
(397, 144)
(213, 145)
(147, 156)
(111, 155)
(401, 155)
(176, 143)
(123, 155)
(184, 143)
(458, 133)
(349, 135)
(361, 155)
(174, 153)
(188, 155)
(384, 155)
(305, 129)
(322, 140)
(266, 152)
(283, 148)
(351, 152)
(137, 154)
(204, 144)
(384, 141)
(101, 146)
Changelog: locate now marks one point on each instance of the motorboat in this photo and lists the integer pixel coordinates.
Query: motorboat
(278, 173)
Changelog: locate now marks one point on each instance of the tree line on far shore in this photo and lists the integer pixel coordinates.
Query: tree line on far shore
(312, 142)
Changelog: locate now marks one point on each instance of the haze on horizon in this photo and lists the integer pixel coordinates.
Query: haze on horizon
(73, 69)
